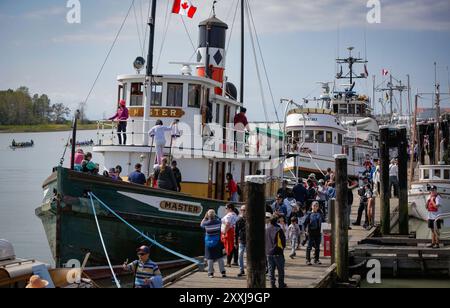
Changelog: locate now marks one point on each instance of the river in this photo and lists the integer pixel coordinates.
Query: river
(22, 174)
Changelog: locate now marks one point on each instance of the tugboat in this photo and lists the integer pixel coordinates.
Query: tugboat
(208, 148)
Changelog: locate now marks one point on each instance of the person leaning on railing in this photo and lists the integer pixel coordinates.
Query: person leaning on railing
(121, 116)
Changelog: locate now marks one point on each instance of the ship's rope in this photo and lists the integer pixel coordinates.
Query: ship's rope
(154, 242)
(255, 56)
(167, 20)
(103, 243)
(141, 45)
(263, 61)
(317, 166)
(110, 51)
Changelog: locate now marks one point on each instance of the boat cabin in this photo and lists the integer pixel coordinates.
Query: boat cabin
(433, 173)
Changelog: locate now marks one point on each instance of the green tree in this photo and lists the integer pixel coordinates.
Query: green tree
(59, 113)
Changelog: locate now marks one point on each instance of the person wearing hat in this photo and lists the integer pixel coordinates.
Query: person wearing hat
(79, 157)
(240, 126)
(213, 245)
(146, 272)
(365, 193)
(433, 204)
(37, 283)
(121, 116)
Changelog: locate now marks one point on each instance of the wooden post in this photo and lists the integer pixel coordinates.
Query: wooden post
(341, 221)
(255, 230)
(332, 222)
(403, 181)
(384, 170)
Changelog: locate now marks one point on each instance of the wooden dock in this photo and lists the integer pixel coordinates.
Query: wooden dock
(298, 274)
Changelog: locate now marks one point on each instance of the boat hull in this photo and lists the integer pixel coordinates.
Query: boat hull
(172, 219)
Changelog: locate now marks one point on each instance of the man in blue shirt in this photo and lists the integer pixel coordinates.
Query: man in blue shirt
(137, 177)
(300, 192)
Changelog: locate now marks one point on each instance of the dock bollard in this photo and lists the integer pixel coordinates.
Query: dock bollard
(341, 221)
(255, 230)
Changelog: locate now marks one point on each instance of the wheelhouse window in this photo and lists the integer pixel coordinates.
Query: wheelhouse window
(137, 94)
(218, 113)
(194, 96)
(340, 139)
(358, 109)
(343, 109)
(351, 109)
(309, 136)
(157, 89)
(446, 174)
(320, 136)
(175, 95)
(329, 137)
(437, 174)
(426, 174)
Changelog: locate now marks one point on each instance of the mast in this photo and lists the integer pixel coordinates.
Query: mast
(242, 51)
(437, 143)
(149, 73)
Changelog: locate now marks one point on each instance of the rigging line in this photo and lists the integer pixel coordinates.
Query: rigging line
(142, 19)
(103, 242)
(232, 26)
(258, 73)
(163, 42)
(263, 62)
(230, 10)
(109, 52)
(188, 34)
(138, 30)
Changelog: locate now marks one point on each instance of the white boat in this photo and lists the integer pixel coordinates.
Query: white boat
(429, 175)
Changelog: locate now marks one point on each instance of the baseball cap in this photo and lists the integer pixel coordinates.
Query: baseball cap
(144, 250)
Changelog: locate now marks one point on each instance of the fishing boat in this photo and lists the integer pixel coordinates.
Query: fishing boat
(205, 145)
(21, 145)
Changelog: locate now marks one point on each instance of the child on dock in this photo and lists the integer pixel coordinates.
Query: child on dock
(293, 235)
(313, 224)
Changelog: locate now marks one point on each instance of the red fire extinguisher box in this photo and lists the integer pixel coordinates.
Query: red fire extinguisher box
(327, 243)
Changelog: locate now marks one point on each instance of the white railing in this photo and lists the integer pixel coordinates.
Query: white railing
(184, 137)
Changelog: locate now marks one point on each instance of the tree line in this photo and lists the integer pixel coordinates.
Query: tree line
(18, 107)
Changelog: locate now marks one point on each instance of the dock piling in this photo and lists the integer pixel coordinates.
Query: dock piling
(385, 187)
(255, 211)
(403, 181)
(341, 221)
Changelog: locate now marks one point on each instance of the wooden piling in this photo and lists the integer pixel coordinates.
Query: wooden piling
(255, 211)
(384, 179)
(341, 221)
(403, 181)
(332, 222)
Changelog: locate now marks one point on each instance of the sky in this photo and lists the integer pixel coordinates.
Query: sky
(299, 39)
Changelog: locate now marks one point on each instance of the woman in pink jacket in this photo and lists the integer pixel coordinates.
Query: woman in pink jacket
(121, 116)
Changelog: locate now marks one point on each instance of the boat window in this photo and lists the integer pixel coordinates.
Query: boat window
(343, 108)
(340, 139)
(194, 95)
(175, 95)
(329, 137)
(137, 94)
(217, 113)
(157, 89)
(426, 174)
(351, 109)
(335, 108)
(320, 136)
(437, 174)
(446, 174)
(309, 136)
(121, 93)
(358, 109)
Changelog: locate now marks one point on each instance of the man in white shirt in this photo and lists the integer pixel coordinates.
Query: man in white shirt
(393, 177)
(158, 133)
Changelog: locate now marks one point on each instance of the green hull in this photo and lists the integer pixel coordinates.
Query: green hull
(173, 219)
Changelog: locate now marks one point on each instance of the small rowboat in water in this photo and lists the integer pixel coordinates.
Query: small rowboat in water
(21, 145)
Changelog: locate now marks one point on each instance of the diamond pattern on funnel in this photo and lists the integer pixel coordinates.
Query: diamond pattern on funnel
(218, 57)
(199, 57)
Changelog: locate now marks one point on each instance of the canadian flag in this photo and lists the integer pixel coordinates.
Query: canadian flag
(184, 7)
(384, 72)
